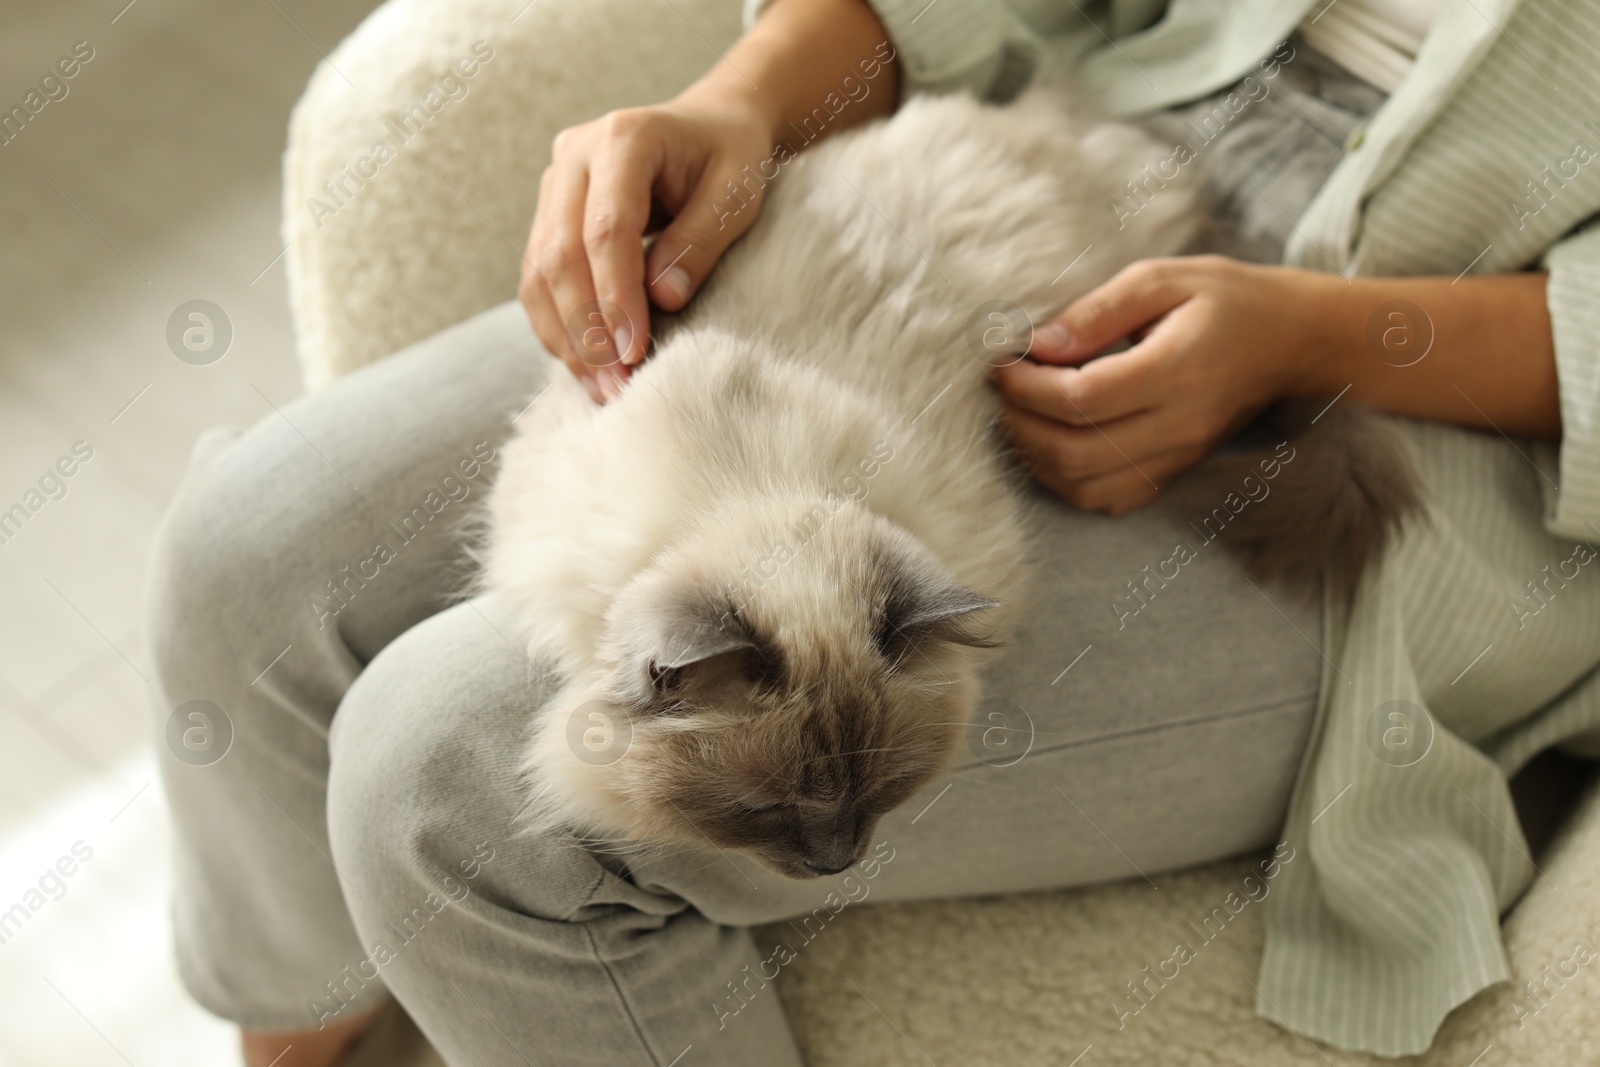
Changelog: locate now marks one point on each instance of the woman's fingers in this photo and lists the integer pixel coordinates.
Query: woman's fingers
(1103, 390)
(533, 288)
(556, 288)
(1115, 486)
(616, 215)
(541, 288)
(564, 261)
(1119, 492)
(1157, 371)
(1074, 454)
(719, 208)
(1135, 297)
(541, 309)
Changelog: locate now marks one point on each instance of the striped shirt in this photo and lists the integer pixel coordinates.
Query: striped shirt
(1476, 642)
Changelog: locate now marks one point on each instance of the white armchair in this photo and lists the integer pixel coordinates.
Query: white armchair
(388, 246)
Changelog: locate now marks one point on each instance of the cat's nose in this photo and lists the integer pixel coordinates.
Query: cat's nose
(829, 870)
(828, 847)
(830, 854)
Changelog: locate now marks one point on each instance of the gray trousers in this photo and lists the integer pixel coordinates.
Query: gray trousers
(340, 730)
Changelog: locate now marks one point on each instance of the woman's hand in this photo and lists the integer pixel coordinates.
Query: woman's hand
(587, 281)
(1215, 341)
(586, 276)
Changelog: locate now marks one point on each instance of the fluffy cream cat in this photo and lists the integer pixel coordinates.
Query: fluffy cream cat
(770, 571)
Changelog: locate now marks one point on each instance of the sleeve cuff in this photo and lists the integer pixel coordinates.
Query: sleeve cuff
(1571, 294)
(976, 46)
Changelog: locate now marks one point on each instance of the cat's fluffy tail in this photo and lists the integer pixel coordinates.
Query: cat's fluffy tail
(1335, 506)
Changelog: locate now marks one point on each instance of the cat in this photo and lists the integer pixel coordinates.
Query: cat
(772, 569)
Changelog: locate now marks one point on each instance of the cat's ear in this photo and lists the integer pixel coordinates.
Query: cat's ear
(676, 641)
(926, 603)
(696, 650)
(945, 604)
(691, 649)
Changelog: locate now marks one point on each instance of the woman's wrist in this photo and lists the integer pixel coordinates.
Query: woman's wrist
(715, 94)
(1323, 307)
(805, 69)
(1474, 350)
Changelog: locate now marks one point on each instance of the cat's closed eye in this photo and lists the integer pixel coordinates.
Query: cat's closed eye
(761, 808)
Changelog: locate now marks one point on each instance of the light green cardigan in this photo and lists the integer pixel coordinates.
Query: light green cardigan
(1484, 622)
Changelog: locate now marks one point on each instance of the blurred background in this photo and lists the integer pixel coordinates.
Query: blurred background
(146, 180)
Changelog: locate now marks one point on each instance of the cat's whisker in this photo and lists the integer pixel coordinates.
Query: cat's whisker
(590, 842)
(707, 865)
(857, 752)
(617, 846)
(904, 654)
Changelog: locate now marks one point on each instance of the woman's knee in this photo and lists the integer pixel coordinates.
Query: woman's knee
(218, 567)
(426, 747)
(352, 498)
(457, 903)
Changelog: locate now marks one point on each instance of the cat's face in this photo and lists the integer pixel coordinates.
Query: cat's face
(784, 724)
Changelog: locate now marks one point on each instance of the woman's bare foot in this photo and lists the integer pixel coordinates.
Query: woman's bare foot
(304, 1048)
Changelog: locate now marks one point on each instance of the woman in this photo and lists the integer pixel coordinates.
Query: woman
(1371, 246)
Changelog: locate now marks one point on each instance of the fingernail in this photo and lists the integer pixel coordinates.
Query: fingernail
(592, 388)
(676, 282)
(610, 384)
(1052, 337)
(623, 339)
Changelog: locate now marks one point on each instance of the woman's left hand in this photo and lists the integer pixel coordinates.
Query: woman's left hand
(1215, 341)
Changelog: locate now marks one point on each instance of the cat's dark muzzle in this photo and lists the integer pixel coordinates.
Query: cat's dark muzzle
(805, 867)
(816, 862)
(830, 852)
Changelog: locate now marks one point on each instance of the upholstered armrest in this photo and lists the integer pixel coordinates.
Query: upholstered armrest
(414, 155)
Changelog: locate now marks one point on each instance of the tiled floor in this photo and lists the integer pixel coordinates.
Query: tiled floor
(152, 182)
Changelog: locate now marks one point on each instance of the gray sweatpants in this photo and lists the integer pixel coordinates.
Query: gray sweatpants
(340, 731)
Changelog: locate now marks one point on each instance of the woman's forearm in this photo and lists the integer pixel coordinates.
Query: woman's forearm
(811, 68)
(1476, 351)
